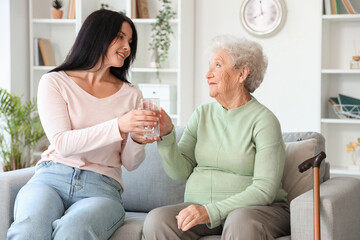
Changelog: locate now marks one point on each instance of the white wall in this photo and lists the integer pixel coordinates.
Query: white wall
(19, 32)
(14, 46)
(291, 86)
(4, 45)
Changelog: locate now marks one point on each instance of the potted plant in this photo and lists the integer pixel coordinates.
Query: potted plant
(56, 12)
(161, 31)
(20, 130)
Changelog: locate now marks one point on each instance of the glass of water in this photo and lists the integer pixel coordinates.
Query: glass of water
(151, 104)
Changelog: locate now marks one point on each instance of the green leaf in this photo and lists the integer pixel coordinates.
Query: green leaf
(20, 129)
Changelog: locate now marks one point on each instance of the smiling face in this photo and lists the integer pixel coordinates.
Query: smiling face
(119, 48)
(222, 78)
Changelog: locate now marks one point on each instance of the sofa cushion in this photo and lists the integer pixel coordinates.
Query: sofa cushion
(132, 227)
(294, 182)
(148, 186)
(320, 147)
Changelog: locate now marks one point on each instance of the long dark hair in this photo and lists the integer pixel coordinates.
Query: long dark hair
(98, 31)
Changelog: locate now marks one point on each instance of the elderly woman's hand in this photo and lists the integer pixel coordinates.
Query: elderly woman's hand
(166, 124)
(192, 216)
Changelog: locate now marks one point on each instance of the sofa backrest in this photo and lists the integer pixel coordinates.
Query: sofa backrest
(148, 186)
(300, 146)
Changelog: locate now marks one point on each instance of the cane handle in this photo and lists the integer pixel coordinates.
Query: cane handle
(312, 162)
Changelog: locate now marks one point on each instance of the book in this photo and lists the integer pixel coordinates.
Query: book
(327, 7)
(71, 12)
(348, 6)
(47, 52)
(335, 101)
(356, 5)
(36, 52)
(38, 60)
(335, 6)
(348, 104)
(133, 9)
(142, 8)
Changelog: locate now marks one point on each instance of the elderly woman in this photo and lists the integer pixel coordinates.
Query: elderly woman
(231, 153)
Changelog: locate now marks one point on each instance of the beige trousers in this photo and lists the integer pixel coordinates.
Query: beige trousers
(255, 222)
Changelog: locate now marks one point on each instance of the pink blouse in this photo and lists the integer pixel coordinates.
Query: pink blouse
(83, 130)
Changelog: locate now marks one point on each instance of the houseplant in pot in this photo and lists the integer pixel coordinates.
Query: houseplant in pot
(56, 12)
(160, 37)
(20, 130)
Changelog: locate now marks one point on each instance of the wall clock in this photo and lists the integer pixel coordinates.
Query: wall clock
(263, 18)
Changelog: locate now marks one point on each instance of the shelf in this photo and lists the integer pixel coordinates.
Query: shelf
(341, 17)
(341, 71)
(340, 121)
(154, 70)
(43, 68)
(150, 20)
(54, 21)
(344, 171)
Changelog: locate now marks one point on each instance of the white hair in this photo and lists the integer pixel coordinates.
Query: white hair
(244, 53)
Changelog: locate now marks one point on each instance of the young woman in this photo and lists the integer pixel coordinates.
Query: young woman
(89, 112)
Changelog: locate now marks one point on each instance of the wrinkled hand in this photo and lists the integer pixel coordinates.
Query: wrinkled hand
(192, 216)
(166, 124)
(133, 120)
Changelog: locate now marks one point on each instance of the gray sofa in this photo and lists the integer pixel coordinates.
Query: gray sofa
(148, 187)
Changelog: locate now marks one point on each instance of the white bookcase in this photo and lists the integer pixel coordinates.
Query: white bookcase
(340, 34)
(177, 73)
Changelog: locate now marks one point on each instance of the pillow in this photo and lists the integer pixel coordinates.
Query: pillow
(294, 182)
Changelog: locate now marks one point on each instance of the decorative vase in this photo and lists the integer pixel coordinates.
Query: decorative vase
(355, 160)
(153, 57)
(355, 62)
(57, 13)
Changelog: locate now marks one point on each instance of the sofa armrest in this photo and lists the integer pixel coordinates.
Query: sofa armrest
(339, 211)
(10, 184)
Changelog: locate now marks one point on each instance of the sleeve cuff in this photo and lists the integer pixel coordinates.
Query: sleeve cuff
(168, 139)
(116, 124)
(214, 215)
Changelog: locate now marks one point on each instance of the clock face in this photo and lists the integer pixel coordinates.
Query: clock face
(262, 17)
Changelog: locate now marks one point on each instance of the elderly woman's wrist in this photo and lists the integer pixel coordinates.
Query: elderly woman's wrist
(169, 131)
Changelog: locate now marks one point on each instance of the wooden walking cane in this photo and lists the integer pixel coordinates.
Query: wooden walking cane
(315, 162)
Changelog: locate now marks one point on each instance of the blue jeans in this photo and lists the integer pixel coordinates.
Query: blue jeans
(62, 202)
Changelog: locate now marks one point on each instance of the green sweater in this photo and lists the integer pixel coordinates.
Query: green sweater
(230, 158)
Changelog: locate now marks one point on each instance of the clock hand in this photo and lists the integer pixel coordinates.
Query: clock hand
(261, 9)
(261, 14)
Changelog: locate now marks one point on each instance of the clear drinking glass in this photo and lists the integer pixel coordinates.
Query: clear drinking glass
(151, 104)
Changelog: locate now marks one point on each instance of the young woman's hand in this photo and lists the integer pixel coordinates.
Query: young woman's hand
(141, 139)
(134, 120)
(166, 124)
